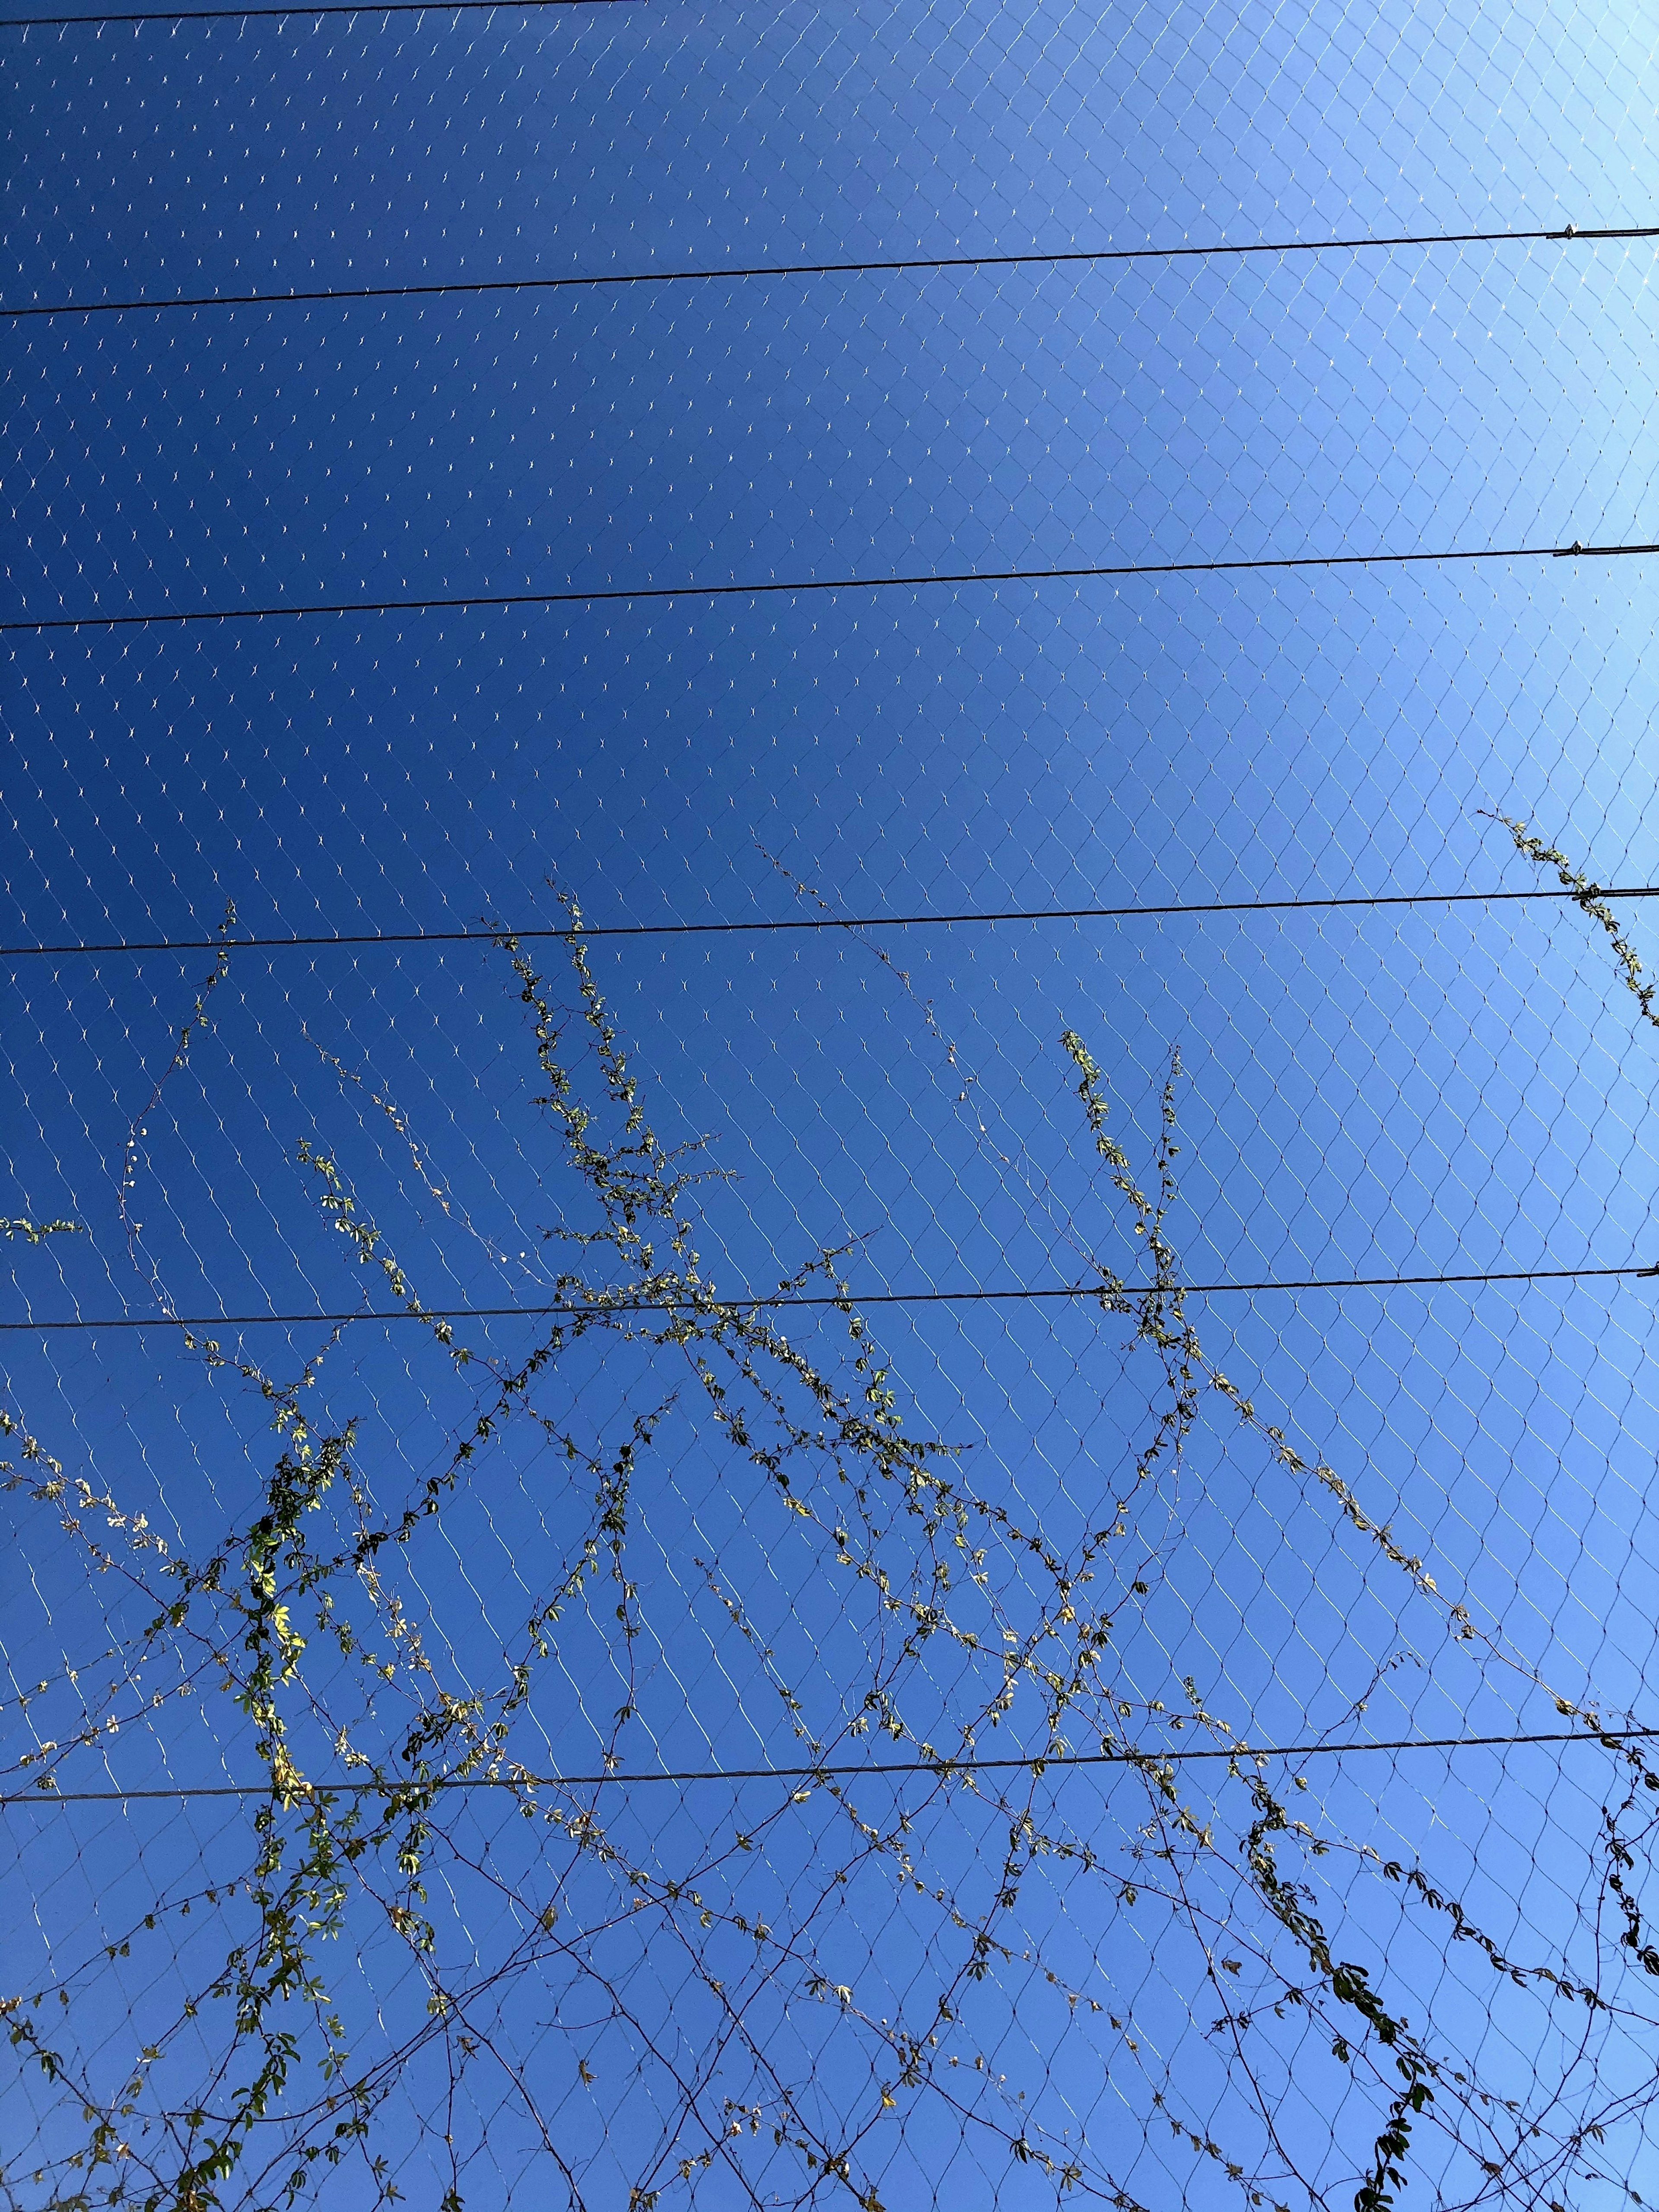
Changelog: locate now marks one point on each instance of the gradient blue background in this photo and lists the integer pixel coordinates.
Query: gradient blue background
(1401, 1091)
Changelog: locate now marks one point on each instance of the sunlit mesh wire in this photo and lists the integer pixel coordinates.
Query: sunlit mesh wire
(504, 1894)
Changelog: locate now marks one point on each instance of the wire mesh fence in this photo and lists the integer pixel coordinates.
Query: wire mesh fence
(887, 1434)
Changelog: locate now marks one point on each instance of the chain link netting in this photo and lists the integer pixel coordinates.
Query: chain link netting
(922, 1473)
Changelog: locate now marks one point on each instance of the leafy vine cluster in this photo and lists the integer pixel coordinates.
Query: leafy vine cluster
(793, 1989)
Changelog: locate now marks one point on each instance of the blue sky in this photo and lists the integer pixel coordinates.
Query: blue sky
(1365, 1092)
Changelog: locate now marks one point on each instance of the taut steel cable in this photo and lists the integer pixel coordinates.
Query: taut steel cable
(762, 1302)
(1218, 249)
(1031, 1762)
(599, 595)
(366, 940)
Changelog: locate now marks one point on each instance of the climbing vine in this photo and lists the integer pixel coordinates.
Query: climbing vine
(444, 1966)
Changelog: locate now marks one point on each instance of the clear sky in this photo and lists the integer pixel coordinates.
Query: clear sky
(1365, 1092)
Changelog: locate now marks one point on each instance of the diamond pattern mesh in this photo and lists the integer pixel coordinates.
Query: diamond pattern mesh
(828, 1393)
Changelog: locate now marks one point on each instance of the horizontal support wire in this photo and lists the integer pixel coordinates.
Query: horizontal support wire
(575, 1310)
(305, 14)
(597, 597)
(1037, 1762)
(474, 286)
(571, 934)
